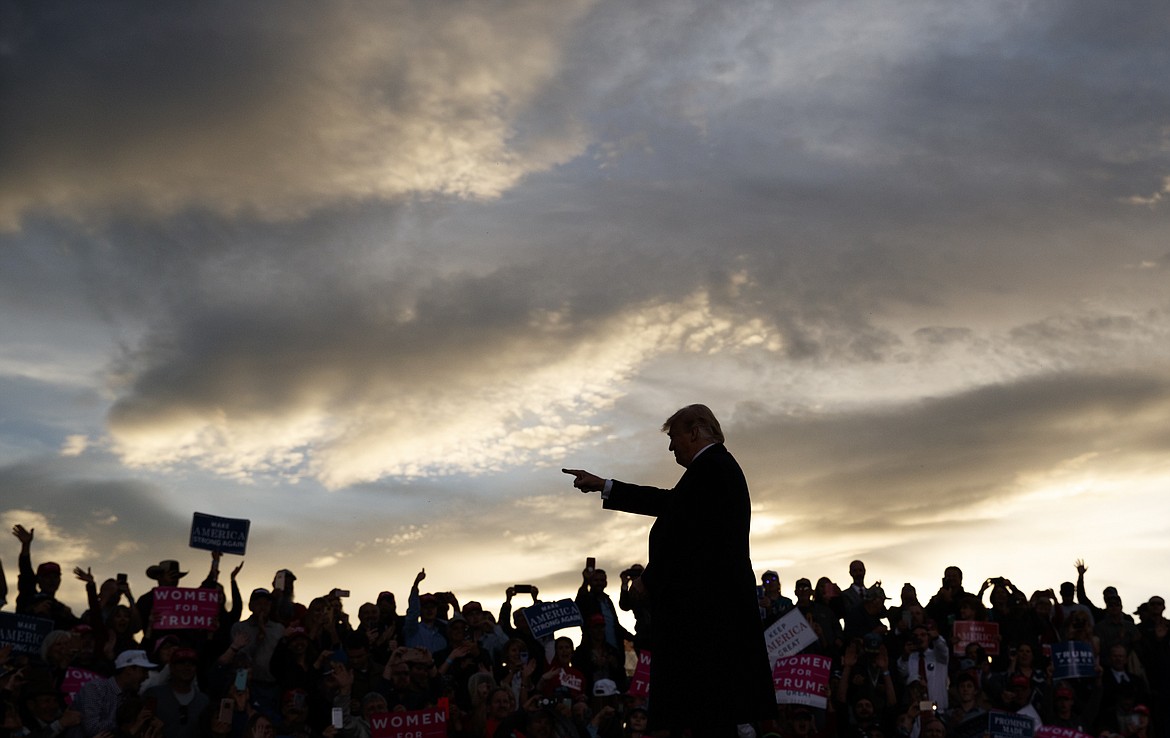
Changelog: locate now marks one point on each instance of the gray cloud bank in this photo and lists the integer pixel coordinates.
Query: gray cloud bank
(919, 248)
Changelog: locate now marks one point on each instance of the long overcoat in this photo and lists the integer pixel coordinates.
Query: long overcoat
(709, 664)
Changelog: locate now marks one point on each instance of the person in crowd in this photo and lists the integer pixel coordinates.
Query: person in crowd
(605, 710)
(58, 651)
(367, 673)
(968, 706)
(461, 661)
(104, 601)
(596, 658)
(179, 702)
(135, 718)
(1017, 698)
(1015, 619)
(943, 607)
(166, 573)
(1121, 687)
(517, 670)
(1002, 595)
(853, 595)
(322, 626)
(1064, 711)
(925, 661)
(423, 687)
(562, 680)
(1067, 607)
(1078, 627)
(489, 635)
(44, 714)
(293, 665)
(388, 617)
(423, 628)
(1114, 629)
(971, 606)
(293, 721)
(1041, 628)
(773, 605)
(820, 616)
(1083, 595)
(864, 721)
(500, 708)
(161, 655)
(635, 601)
(541, 648)
(1154, 653)
(381, 640)
(865, 671)
(592, 599)
(637, 720)
(263, 636)
(867, 618)
(1022, 662)
(37, 590)
(899, 616)
(284, 602)
(99, 699)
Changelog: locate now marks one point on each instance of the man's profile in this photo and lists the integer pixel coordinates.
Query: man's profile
(698, 547)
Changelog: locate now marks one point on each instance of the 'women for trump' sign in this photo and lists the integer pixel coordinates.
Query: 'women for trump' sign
(410, 724)
(802, 680)
(182, 608)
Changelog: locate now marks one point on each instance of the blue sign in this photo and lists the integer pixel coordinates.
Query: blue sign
(23, 632)
(1073, 660)
(213, 533)
(546, 618)
(1009, 725)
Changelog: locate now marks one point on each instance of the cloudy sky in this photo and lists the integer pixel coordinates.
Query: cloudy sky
(369, 273)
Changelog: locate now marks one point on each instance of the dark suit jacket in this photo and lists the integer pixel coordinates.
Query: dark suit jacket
(709, 666)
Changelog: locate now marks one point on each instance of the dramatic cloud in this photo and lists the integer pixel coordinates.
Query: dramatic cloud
(369, 274)
(276, 109)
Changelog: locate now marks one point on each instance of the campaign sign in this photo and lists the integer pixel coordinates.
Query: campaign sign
(570, 682)
(74, 680)
(1009, 725)
(1051, 731)
(788, 635)
(546, 618)
(23, 632)
(183, 608)
(976, 631)
(213, 533)
(430, 723)
(802, 680)
(640, 682)
(1073, 660)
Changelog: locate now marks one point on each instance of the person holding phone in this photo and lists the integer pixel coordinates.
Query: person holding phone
(698, 544)
(592, 599)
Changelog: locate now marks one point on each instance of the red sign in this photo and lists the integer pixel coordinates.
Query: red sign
(183, 608)
(74, 680)
(411, 724)
(640, 682)
(976, 631)
(570, 682)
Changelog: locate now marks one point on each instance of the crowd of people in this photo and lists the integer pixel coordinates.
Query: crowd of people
(288, 668)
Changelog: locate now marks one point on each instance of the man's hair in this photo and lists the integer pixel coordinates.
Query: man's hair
(695, 416)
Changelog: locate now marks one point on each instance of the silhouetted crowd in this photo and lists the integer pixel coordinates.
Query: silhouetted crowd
(288, 668)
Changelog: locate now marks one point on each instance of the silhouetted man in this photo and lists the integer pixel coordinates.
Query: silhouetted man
(698, 543)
